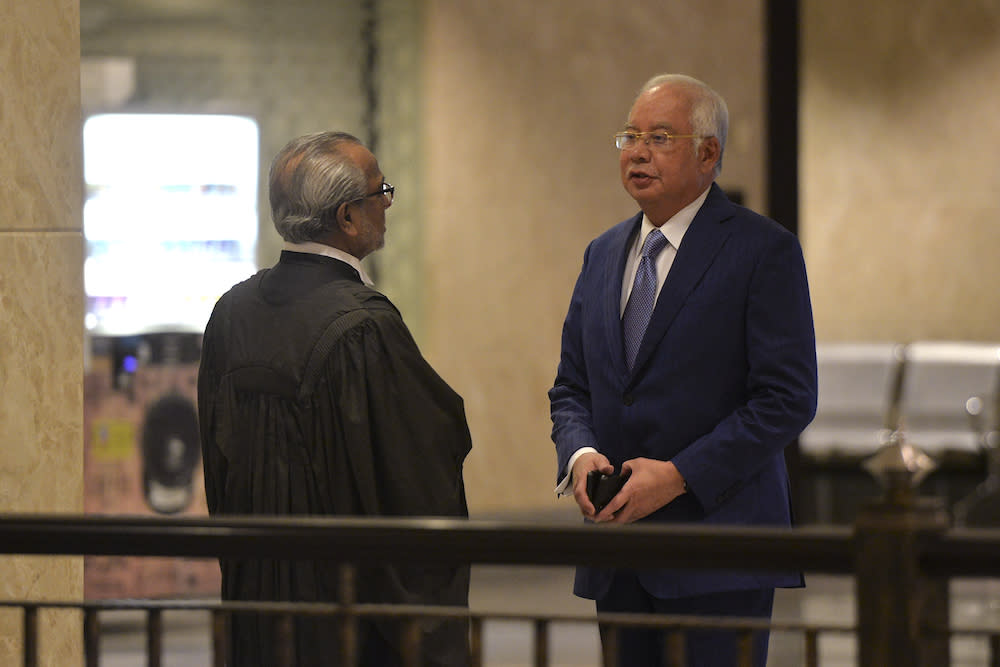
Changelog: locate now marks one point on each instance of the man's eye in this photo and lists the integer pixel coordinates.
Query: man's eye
(630, 137)
(659, 139)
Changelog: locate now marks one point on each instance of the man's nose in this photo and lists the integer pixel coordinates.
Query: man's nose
(640, 152)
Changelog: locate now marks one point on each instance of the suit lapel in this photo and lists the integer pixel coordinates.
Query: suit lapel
(701, 243)
(614, 275)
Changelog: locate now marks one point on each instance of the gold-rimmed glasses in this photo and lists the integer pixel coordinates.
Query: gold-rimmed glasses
(659, 139)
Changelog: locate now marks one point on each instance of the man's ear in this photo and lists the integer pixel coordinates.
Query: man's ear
(344, 219)
(709, 152)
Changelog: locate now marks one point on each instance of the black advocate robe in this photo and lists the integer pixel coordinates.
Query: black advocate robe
(314, 400)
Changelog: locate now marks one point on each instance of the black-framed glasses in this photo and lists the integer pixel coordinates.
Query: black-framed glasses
(386, 190)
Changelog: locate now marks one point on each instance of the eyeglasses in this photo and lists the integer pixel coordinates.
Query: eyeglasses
(658, 139)
(386, 190)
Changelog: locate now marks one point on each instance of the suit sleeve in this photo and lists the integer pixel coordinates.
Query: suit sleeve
(569, 397)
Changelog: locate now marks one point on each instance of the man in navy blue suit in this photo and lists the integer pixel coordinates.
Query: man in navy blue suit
(697, 407)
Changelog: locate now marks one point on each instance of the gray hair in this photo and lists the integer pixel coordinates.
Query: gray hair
(310, 178)
(709, 113)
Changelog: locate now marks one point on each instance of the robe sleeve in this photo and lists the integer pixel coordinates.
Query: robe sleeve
(402, 427)
(214, 464)
(405, 433)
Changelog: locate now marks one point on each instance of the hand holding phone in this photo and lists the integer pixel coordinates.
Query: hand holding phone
(602, 488)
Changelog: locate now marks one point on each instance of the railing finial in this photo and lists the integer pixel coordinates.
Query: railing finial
(899, 467)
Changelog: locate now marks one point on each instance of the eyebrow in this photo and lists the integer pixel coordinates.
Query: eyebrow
(667, 127)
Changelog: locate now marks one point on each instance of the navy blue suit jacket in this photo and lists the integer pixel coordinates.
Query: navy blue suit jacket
(724, 380)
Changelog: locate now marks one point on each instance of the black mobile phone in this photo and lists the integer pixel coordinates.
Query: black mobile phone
(602, 488)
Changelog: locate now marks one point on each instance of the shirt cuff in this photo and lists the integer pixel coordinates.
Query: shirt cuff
(565, 487)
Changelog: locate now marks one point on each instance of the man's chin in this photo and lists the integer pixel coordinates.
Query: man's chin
(645, 196)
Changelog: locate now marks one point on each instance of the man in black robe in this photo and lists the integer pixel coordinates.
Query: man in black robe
(314, 400)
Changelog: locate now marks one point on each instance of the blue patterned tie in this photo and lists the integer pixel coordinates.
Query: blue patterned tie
(639, 308)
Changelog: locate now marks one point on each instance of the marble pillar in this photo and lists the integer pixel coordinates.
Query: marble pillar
(41, 308)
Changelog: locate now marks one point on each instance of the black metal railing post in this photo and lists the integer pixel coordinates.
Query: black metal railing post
(30, 635)
(284, 632)
(902, 612)
(541, 642)
(154, 638)
(220, 638)
(350, 651)
(91, 638)
(476, 641)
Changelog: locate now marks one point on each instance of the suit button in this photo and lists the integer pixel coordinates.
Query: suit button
(627, 399)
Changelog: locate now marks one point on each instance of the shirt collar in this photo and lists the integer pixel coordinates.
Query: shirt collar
(314, 248)
(675, 227)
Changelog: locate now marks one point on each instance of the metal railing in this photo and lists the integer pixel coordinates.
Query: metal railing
(437, 541)
(901, 553)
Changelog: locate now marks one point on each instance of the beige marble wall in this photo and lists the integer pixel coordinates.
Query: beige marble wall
(41, 306)
(520, 172)
(901, 168)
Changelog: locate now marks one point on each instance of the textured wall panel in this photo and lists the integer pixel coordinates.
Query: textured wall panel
(41, 307)
(900, 168)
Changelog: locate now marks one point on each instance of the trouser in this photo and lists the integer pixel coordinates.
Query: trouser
(641, 647)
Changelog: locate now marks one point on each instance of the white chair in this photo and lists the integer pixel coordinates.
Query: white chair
(940, 379)
(857, 388)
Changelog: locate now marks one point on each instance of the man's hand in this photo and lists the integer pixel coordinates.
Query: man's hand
(582, 466)
(651, 485)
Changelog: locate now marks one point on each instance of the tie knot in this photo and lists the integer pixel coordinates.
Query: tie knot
(654, 243)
